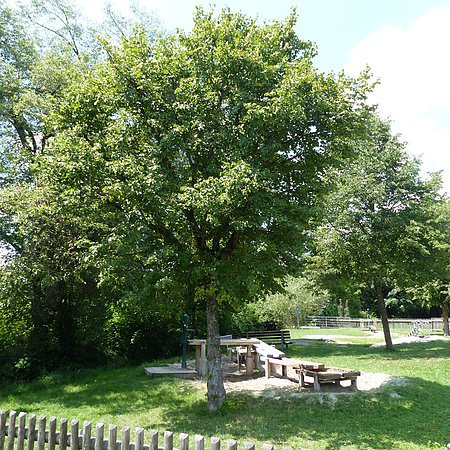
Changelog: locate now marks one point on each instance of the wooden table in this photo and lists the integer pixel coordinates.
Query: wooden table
(200, 352)
(329, 376)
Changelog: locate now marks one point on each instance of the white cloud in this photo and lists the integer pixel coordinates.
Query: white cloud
(414, 69)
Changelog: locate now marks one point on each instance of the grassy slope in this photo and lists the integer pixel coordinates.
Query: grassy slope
(410, 415)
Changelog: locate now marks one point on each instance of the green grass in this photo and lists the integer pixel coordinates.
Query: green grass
(408, 415)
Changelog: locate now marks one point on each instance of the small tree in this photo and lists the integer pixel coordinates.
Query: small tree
(370, 233)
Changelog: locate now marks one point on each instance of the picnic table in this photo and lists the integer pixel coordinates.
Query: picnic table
(200, 352)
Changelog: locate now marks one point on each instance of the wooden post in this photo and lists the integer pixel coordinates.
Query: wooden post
(139, 445)
(267, 367)
(11, 429)
(31, 434)
(268, 447)
(249, 446)
(99, 436)
(112, 441)
(63, 434)
(215, 443)
(199, 442)
(168, 440)
(184, 441)
(203, 360)
(2, 429)
(249, 364)
(232, 444)
(74, 435)
(52, 433)
(86, 442)
(198, 359)
(41, 432)
(125, 439)
(153, 440)
(316, 383)
(21, 431)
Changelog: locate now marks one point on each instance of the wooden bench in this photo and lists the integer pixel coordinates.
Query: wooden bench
(277, 337)
(329, 376)
(296, 364)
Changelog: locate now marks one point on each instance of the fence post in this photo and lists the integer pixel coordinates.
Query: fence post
(184, 441)
(62, 434)
(153, 440)
(215, 443)
(232, 444)
(199, 442)
(112, 441)
(41, 432)
(11, 429)
(267, 447)
(52, 433)
(125, 439)
(2, 428)
(86, 442)
(99, 435)
(139, 439)
(74, 435)
(249, 446)
(168, 440)
(21, 431)
(31, 435)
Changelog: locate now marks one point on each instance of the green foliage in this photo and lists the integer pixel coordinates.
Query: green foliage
(280, 308)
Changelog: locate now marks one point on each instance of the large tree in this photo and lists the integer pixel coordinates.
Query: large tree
(203, 156)
(373, 217)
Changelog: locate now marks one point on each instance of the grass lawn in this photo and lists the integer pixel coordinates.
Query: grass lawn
(411, 414)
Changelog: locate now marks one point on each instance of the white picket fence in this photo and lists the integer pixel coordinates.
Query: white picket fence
(17, 434)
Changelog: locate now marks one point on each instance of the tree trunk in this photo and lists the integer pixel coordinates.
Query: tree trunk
(383, 314)
(215, 388)
(445, 308)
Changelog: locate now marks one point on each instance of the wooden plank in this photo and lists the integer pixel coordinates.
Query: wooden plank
(168, 440)
(199, 442)
(99, 436)
(153, 440)
(125, 439)
(86, 439)
(21, 431)
(74, 435)
(184, 441)
(52, 433)
(63, 434)
(3, 415)
(11, 430)
(249, 446)
(112, 441)
(215, 443)
(232, 444)
(139, 442)
(268, 447)
(41, 433)
(31, 432)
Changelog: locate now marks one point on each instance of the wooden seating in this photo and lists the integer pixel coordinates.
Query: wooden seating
(296, 364)
(331, 375)
(276, 337)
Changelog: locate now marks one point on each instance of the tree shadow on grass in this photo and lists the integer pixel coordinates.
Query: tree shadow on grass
(393, 416)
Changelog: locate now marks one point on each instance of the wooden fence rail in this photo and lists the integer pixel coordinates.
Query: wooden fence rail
(14, 432)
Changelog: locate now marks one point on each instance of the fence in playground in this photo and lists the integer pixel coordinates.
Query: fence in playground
(432, 325)
(14, 431)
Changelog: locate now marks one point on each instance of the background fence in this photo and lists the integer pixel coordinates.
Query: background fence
(432, 325)
(14, 431)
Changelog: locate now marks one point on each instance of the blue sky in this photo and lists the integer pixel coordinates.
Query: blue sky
(405, 42)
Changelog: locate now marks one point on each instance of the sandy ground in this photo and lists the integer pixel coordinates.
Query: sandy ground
(237, 381)
(412, 339)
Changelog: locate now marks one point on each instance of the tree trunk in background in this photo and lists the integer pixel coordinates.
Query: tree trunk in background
(215, 388)
(383, 314)
(445, 308)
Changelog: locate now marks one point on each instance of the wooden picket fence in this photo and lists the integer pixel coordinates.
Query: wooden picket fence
(14, 431)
